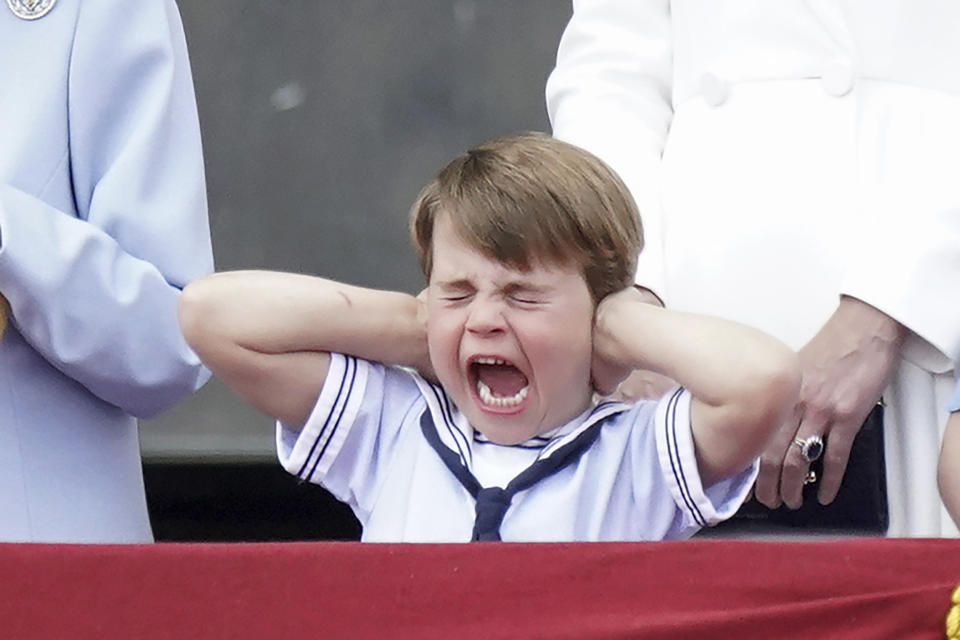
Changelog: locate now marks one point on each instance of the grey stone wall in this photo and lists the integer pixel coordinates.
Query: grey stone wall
(321, 121)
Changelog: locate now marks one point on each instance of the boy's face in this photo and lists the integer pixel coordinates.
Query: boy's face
(512, 348)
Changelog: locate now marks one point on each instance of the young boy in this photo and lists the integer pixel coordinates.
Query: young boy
(529, 247)
(948, 469)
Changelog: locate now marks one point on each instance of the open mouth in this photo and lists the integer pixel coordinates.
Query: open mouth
(498, 383)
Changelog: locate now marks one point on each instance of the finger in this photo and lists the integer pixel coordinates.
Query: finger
(795, 465)
(605, 379)
(835, 459)
(602, 386)
(767, 486)
(766, 489)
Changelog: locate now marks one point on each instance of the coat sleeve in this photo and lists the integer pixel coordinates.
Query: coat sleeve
(96, 293)
(610, 94)
(907, 261)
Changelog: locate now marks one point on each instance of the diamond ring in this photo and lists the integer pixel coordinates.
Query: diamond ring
(811, 448)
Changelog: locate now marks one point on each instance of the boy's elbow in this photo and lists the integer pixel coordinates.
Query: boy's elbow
(197, 313)
(785, 377)
(190, 312)
(778, 391)
(766, 394)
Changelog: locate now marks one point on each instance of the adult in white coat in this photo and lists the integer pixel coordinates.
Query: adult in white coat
(795, 163)
(102, 220)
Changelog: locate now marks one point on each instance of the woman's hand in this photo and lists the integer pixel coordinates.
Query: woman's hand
(845, 368)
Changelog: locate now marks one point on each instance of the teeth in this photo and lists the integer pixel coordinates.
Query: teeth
(489, 360)
(486, 395)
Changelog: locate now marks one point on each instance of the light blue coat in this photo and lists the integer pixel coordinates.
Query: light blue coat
(955, 401)
(103, 220)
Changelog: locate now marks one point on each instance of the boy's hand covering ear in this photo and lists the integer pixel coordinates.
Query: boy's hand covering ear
(424, 366)
(608, 369)
(618, 382)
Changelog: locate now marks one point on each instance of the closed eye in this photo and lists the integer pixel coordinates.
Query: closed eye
(457, 291)
(527, 295)
(455, 295)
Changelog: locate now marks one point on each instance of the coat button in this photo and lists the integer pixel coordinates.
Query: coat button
(714, 90)
(838, 79)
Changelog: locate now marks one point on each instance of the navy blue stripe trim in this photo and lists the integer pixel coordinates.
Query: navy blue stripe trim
(452, 426)
(343, 411)
(568, 454)
(454, 431)
(447, 415)
(326, 423)
(556, 443)
(333, 417)
(446, 454)
(674, 451)
(674, 463)
(698, 516)
(607, 403)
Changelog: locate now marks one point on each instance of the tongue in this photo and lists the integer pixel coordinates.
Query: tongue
(503, 380)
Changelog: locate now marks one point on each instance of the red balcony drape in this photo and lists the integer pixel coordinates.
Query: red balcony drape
(846, 588)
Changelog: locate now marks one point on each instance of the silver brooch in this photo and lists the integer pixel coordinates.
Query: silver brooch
(30, 9)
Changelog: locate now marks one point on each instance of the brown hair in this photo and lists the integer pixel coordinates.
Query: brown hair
(532, 197)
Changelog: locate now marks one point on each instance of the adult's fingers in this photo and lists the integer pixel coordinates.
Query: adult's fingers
(835, 458)
(795, 465)
(767, 486)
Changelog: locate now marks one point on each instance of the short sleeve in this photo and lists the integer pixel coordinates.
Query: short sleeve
(701, 506)
(353, 432)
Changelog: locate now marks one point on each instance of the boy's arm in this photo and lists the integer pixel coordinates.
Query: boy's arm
(948, 469)
(643, 384)
(744, 382)
(268, 335)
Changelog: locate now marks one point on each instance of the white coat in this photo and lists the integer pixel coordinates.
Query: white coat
(102, 220)
(783, 153)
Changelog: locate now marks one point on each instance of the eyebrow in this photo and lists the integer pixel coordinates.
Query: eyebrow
(460, 283)
(512, 286)
(526, 287)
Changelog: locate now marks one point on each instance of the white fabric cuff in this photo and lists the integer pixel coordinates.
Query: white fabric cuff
(701, 508)
(309, 455)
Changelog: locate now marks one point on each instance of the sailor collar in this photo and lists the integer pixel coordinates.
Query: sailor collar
(458, 435)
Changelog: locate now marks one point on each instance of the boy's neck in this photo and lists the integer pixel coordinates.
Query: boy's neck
(552, 431)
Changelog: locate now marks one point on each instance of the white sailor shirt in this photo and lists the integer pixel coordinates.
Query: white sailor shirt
(637, 481)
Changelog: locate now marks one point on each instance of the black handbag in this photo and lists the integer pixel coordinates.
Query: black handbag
(860, 507)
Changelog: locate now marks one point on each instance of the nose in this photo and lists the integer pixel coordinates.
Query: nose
(485, 317)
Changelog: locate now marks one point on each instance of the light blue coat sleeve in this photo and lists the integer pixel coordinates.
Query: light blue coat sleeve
(955, 401)
(93, 284)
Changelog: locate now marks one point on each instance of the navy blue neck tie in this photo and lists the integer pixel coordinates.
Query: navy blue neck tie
(493, 502)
